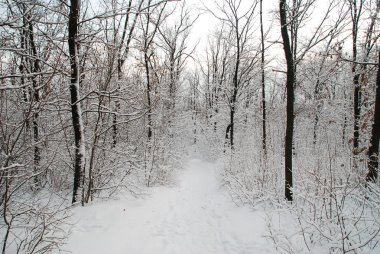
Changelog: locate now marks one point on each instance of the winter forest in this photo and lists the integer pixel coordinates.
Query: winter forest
(189, 126)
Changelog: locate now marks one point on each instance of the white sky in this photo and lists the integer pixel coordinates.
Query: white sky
(207, 22)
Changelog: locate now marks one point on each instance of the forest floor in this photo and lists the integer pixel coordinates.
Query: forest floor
(193, 216)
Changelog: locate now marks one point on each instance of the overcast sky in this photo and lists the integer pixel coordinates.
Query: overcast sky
(206, 23)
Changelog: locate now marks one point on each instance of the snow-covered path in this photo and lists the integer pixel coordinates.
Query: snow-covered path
(195, 216)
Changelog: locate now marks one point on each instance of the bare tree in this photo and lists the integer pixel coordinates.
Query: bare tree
(240, 23)
(290, 80)
(218, 57)
(123, 50)
(76, 111)
(174, 45)
(148, 37)
(294, 54)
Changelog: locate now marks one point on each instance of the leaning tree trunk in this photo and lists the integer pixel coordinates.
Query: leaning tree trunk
(290, 78)
(79, 146)
(373, 152)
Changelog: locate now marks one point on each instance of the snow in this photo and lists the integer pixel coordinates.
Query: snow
(194, 216)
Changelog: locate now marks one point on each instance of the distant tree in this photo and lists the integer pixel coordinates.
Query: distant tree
(215, 72)
(240, 23)
(123, 47)
(150, 28)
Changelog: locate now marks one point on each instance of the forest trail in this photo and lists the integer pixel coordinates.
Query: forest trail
(194, 217)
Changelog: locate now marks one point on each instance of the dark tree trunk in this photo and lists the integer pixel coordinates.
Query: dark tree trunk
(147, 72)
(373, 152)
(355, 15)
(35, 66)
(290, 78)
(344, 122)
(264, 137)
(235, 90)
(79, 148)
(317, 111)
(148, 88)
(231, 125)
(22, 67)
(357, 95)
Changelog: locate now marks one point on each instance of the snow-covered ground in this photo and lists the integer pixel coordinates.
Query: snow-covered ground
(194, 216)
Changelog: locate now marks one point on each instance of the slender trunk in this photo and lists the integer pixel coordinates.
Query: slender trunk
(5, 199)
(357, 95)
(355, 14)
(373, 152)
(79, 146)
(148, 88)
(235, 88)
(148, 39)
(232, 115)
(120, 62)
(219, 89)
(36, 97)
(264, 137)
(172, 84)
(344, 122)
(148, 85)
(194, 116)
(316, 120)
(290, 78)
(22, 67)
(316, 117)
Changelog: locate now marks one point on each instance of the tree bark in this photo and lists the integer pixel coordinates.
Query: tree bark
(373, 152)
(79, 146)
(264, 137)
(148, 88)
(235, 87)
(35, 66)
(355, 15)
(290, 78)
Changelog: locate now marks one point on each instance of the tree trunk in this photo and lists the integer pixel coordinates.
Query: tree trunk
(373, 152)
(317, 111)
(120, 62)
(290, 78)
(79, 146)
(35, 66)
(264, 137)
(235, 90)
(355, 14)
(148, 88)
